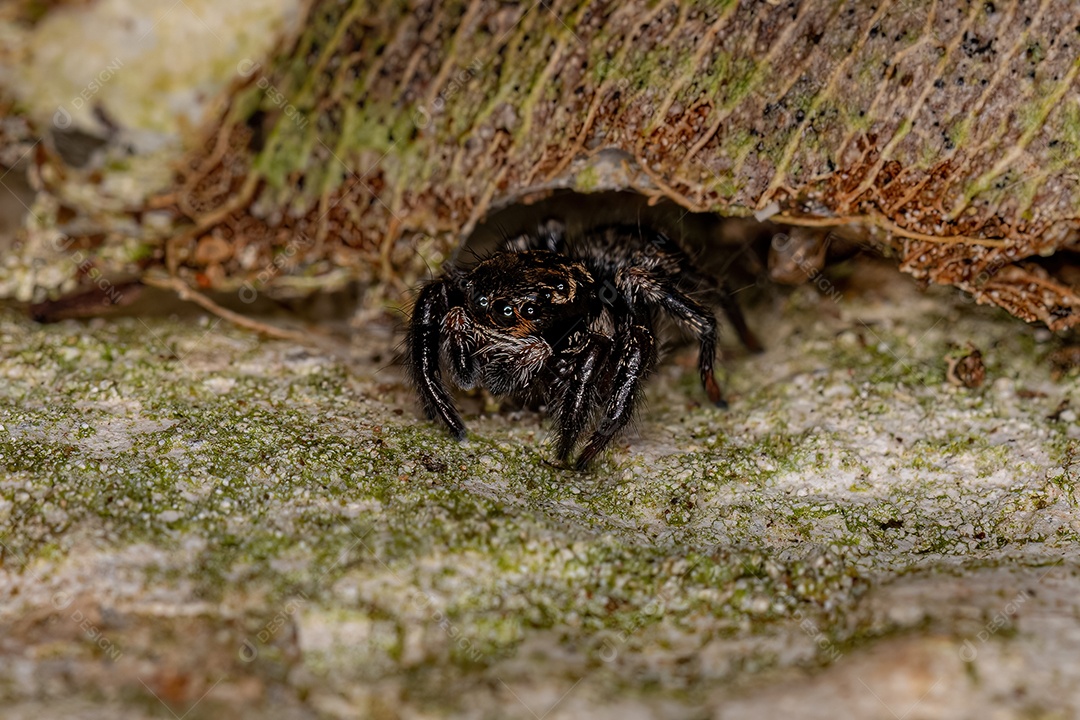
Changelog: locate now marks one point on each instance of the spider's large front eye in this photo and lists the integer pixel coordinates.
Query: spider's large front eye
(508, 310)
(482, 301)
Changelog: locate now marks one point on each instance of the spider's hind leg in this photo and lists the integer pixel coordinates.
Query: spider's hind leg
(691, 314)
(735, 317)
(549, 235)
(719, 292)
(703, 324)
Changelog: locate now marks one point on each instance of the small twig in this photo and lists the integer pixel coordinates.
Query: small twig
(887, 225)
(189, 294)
(785, 219)
(665, 189)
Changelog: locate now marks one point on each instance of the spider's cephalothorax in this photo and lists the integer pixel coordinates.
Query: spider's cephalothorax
(568, 322)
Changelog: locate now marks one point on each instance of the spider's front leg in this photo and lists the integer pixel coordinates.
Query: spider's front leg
(577, 391)
(632, 360)
(424, 339)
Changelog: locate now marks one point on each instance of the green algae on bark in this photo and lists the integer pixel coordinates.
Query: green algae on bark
(383, 124)
(291, 501)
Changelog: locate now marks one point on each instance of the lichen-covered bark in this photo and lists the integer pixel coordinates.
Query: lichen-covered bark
(952, 126)
(946, 130)
(197, 524)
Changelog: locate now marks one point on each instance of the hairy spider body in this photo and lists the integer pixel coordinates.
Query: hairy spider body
(567, 322)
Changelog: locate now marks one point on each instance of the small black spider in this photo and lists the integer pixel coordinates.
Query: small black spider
(567, 322)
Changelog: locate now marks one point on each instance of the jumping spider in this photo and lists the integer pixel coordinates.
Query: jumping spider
(566, 322)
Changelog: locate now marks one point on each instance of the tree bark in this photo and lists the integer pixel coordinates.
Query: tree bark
(948, 131)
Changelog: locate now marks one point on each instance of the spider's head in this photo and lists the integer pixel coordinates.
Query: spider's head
(526, 293)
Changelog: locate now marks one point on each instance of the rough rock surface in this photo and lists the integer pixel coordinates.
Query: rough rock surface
(196, 522)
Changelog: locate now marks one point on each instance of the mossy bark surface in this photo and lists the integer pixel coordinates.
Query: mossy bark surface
(196, 520)
(947, 131)
(381, 133)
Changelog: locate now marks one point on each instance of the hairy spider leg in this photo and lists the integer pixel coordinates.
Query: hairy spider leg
(688, 312)
(424, 339)
(634, 356)
(549, 236)
(576, 394)
(721, 293)
(703, 324)
(735, 317)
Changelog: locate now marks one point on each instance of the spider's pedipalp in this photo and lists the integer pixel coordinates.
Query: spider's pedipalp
(513, 363)
(461, 340)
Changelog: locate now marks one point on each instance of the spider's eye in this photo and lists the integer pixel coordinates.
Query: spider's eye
(482, 301)
(530, 310)
(560, 287)
(508, 310)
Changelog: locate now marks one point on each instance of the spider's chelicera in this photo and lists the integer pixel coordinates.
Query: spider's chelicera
(567, 322)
